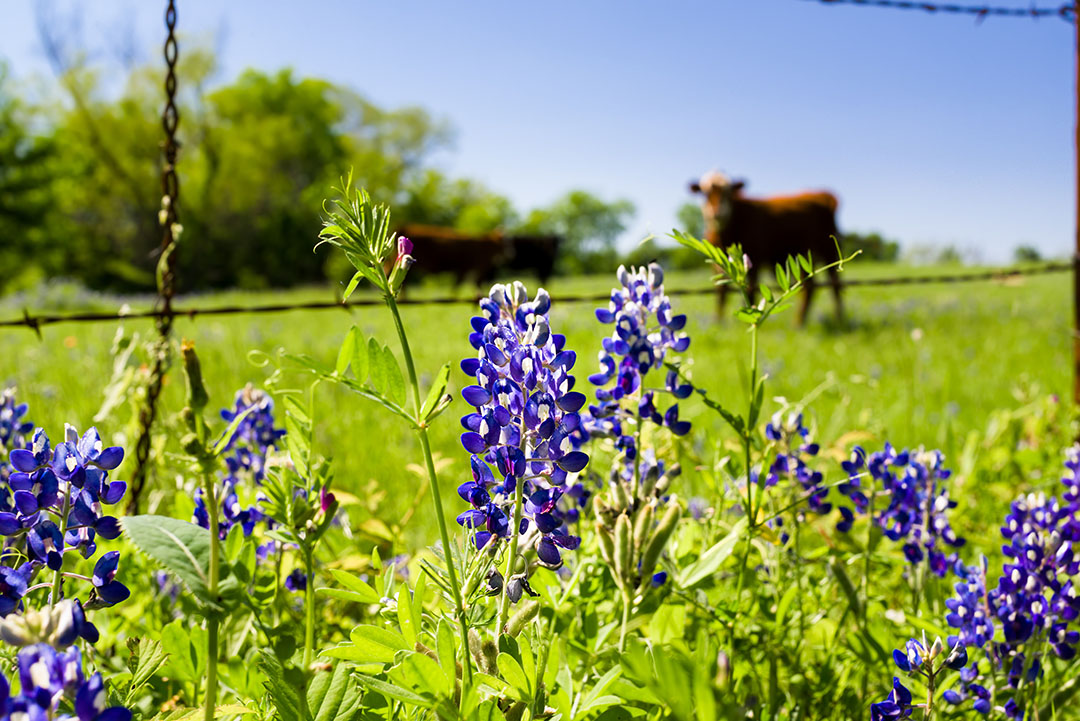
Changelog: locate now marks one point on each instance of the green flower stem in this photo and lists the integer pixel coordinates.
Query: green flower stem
(58, 576)
(626, 603)
(433, 482)
(210, 702)
(504, 601)
(309, 607)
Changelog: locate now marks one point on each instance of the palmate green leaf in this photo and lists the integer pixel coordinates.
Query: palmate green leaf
(420, 674)
(333, 695)
(711, 560)
(182, 548)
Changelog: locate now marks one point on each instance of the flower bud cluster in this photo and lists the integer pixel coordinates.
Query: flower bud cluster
(525, 411)
(794, 444)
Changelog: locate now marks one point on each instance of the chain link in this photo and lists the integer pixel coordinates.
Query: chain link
(166, 267)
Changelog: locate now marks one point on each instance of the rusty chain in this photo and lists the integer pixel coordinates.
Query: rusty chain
(166, 266)
(979, 12)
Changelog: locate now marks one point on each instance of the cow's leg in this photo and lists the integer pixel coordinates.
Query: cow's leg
(807, 295)
(721, 300)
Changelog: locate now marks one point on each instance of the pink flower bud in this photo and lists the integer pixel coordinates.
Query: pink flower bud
(404, 247)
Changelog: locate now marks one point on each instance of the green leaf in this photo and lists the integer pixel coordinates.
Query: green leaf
(395, 382)
(344, 595)
(378, 370)
(435, 393)
(182, 548)
(361, 362)
(357, 277)
(711, 560)
(420, 674)
(345, 352)
(230, 430)
(408, 623)
(785, 603)
(190, 714)
(184, 650)
(370, 644)
(444, 648)
(396, 693)
(288, 703)
(844, 581)
(147, 657)
(355, 585)
(514, 675)
(333, 695)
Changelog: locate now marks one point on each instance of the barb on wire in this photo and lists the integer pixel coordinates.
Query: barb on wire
(36, 322)
(979, 12)
(166, 266)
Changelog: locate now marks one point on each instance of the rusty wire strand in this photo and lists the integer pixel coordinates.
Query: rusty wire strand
(166, 268)
(36, 322)
(979, 12)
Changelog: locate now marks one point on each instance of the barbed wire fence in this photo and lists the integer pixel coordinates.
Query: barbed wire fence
(36, 322)
(164, 312)
(1064, 12)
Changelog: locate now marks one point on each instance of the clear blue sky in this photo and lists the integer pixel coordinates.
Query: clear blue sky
(931, 129)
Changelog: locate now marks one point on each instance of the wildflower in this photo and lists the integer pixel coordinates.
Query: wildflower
(914, 482)
(48, 677)
(109, 590)
(296, 581)
(793, 440)
(897, 704)
(645, 331)
(525, 413)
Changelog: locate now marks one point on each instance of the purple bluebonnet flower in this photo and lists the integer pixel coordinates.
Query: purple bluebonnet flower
(53, 502)
(645, 332)
(793, 439)
(109, 590)
(296, 581)
(13, 427)
(47, 677)
(914, 483)
(897, 704)
(525, 412)
(246, 453)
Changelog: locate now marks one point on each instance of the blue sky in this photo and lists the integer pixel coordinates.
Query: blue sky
(934, 130)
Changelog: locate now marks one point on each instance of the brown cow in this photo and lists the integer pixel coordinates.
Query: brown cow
(771, 229)
(532, 253)
(443, 250)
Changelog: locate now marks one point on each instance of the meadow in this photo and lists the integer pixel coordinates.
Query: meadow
(918, 365)
(333, 595)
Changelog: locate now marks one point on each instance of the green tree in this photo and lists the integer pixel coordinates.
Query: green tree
(431, 198)
(589, 227)
(26, 196)
(873, 246)
(1027, 254)
(690, 219)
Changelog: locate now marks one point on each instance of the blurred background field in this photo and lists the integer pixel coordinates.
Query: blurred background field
(942, 365)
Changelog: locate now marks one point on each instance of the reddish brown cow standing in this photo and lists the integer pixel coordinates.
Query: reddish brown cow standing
(772, 229)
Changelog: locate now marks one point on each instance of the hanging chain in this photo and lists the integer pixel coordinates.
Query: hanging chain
(166, 267)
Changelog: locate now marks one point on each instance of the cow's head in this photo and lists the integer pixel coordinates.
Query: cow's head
(719, 191)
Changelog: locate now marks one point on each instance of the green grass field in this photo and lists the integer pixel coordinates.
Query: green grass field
(915, 364)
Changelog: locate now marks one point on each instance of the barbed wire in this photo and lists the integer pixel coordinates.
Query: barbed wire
(1065, 12)
(36, 322)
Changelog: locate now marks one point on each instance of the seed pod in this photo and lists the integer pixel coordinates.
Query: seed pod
(648, 482)
(663, 485)
(623, 550)
(488, 653)
(607, 544)
(663, 532)
(526, 613)
(476, 647)
(197, 397)
(642, 526)
(619, 496)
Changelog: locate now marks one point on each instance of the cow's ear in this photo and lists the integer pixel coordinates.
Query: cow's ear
(695, 187)
(738, 185)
